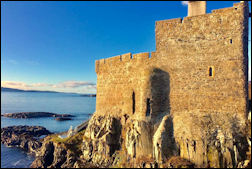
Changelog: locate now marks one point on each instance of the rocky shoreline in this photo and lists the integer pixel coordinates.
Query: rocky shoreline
(49, 151)
(25, 137)
(96, 143)
(26, 115)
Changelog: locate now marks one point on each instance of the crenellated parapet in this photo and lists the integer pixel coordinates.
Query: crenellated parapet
(236, 8)
(123, 59)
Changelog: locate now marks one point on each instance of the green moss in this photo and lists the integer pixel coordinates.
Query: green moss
(73, 143)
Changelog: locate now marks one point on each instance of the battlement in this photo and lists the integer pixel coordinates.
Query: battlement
(236, 7)
(124, 58)
(171, 25)
(197, 28)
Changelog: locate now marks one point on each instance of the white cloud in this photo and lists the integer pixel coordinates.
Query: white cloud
(184, 3)
(41, 85)
(69, 86)
(73, 84)
(17, 85)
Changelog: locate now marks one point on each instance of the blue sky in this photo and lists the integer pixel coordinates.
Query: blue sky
(54, 45)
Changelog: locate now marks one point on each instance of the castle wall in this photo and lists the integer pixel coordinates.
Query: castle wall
(185, 51)
(191, 45)
(195, 83)
(117, 78)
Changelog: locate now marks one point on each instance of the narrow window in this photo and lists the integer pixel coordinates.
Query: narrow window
(133, 102)
(194, 146)
(148, 107)
(134, 152)
(231, 41)
(210, 71)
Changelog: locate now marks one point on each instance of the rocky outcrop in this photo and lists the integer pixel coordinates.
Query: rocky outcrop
(51, 155)
(164, 145)
(203, 140)
(62, 118)
(210, 140)
(26, 115)
(102, 138)
(56, 153)
(45, 156)
(138, 141)
(25, 137)
(192, 140)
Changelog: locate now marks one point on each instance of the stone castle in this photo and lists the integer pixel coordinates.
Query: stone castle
(189, 98)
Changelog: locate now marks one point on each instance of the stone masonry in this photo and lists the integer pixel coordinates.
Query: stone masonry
(188, 98)
(176, 77)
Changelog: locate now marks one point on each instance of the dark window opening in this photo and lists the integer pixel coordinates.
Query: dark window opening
(148, 107)
(133, 102)
(210, 72)
(194, 146)
(231, 41)
(134, 153)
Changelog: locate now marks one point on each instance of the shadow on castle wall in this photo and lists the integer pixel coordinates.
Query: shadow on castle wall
(164, 145)
(160, 92)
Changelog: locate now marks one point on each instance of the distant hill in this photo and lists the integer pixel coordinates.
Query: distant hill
(6, 89)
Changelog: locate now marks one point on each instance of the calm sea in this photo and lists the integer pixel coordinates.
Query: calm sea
(74, 104)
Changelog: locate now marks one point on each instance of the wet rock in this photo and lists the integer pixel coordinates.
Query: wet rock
(25, 137)
(62, 118)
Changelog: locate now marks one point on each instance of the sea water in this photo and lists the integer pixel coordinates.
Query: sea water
(81, 107)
